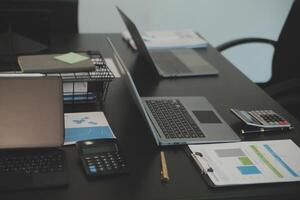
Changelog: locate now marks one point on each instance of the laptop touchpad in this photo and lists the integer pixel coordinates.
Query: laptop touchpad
(191, 59)
(207, 117)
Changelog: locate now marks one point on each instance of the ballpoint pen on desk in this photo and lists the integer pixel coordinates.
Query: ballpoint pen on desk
(263, 130)
(164, 170)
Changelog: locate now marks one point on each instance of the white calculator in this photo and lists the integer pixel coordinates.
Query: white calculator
(262, 118)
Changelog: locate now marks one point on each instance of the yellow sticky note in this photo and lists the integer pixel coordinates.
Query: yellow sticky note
(71, 58)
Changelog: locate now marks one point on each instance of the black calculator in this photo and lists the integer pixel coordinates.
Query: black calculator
(101, 157)
(262, 118)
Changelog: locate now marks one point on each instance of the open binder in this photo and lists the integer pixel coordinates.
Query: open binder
(245, 163)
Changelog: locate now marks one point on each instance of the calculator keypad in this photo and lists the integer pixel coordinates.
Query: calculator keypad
(105, 163)
(269, 117)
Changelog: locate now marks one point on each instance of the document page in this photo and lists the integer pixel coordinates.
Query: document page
(249, 162)
(86, 126)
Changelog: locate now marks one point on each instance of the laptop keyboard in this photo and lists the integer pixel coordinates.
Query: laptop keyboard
(32, 162)
(173, 119)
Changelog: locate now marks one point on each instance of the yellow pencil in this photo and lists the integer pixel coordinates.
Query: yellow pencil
(164, 170)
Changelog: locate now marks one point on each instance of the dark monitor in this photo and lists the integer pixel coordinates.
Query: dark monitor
(22, 31)
(26, 26)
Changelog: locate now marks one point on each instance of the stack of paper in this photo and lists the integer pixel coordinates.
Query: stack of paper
(78, 91)
(169, 39)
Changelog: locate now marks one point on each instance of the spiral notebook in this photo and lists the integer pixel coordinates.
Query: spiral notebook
(243, 163)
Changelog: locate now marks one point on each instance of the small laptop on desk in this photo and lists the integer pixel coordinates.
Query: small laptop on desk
(181, 62)
(179, 120)
(32, 129)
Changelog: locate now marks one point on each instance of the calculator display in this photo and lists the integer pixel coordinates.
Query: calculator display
(99, 148)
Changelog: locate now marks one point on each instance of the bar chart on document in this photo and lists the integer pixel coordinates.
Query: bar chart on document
(250, 162)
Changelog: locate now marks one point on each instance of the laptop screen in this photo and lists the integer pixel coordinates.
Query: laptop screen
(131, 85)
(136, 36)
(31, 112)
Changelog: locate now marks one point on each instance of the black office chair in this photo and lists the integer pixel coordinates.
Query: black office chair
(63, 14)
(284, 85)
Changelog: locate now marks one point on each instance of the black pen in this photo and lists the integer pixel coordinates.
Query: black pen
(263, 130)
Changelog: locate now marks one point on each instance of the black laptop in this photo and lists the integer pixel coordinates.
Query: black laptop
(181, 62)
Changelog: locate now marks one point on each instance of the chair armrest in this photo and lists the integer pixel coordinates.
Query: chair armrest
(240, 41)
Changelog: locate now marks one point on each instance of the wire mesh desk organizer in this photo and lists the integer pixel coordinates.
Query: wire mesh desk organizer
(81, 87)
(96, 82)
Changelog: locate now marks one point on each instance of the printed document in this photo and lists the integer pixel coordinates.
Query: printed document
(86, 126)
(249, 162)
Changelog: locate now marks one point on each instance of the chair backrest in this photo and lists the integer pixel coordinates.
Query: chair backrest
(284, 85)
(286, 60)
(26, 26)
(63, 14)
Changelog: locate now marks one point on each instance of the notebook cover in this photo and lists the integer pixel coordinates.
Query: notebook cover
(48, 64)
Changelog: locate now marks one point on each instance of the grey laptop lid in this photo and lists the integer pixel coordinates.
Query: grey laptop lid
(31, 112)
(170, 63)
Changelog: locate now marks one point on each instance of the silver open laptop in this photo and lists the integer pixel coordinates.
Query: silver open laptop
(192, 119)
(170, 62)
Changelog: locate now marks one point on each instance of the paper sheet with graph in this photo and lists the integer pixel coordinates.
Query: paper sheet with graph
(249, 162)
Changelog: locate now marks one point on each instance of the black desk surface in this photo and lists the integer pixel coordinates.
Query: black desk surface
(231, 89)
